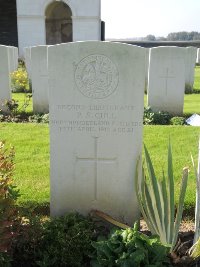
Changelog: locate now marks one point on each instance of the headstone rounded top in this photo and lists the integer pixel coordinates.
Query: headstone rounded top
(96, 76)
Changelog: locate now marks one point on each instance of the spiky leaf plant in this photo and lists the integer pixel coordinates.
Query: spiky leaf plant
(157, 201)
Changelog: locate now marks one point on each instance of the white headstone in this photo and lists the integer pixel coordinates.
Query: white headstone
(12, 58)
(5, 88)
(96, 121)
(16, 56)
(166, 79)
(27, 56)
(198, 56)
(146, 67)
(39, 78)
(194, 120)
(191, 55)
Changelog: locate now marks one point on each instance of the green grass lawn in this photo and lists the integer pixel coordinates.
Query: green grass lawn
(21, 98)
(191, 104)
(197, 78)
(31, 142)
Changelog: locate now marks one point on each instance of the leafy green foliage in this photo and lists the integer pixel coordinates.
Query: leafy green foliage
(26, 245)
(13, 107)
(20, 81)
(197, 208)
(61, 241)
(188, 88)
(128, 248)
(195, 250)
(151, 117)
(177, 121)
(8, 197)
(39, 118)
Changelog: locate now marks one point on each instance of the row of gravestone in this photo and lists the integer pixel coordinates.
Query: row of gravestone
(8, 64)
(96, 102)
(169, 72)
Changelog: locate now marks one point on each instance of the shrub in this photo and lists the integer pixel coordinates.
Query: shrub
(8, 197)
(129, 247)
(151, 117)
(177, 121)
(39, 118)
(13, 108)
(28, 240)
(20, 81)
(188, 88)
(61, 241)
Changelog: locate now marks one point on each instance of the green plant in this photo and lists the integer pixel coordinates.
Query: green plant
(129, 247)
(197, 209)
(151, 117)
(177, 121)
(195, 250)
(20, 81)
(66, 241)
(25, 246)
(8, 197)
(156, 199)
(39, 118)
(188, 88)
(13, 105)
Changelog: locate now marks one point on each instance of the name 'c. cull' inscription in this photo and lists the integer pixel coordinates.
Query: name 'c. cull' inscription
(96, 119)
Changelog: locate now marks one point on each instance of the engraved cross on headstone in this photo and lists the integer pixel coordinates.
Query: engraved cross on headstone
(96, 159)
(167, 77)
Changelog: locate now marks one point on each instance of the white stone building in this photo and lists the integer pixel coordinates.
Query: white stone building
(47, 22)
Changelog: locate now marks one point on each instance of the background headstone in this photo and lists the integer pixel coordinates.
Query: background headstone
(27, 57)
(147, 50)
(39, 78)
(5, 88)
(198, 56)
(166, 79)
(191, 55)
(96, 121)
(13, 58)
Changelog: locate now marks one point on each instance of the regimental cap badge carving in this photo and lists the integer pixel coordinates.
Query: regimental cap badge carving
(96, 76)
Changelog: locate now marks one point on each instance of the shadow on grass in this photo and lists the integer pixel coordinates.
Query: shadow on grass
(35, 208)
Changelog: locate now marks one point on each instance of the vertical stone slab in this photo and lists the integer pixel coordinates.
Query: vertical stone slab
(39, 77)
(16, 57)
(166, 79)
(147, 50)
(5, 88)
(13, 58)
(191, 55)
(27, 57)
(198, 56)
(96, 122)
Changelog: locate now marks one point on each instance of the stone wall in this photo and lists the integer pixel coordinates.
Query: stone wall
(148, 44)
(8, 23)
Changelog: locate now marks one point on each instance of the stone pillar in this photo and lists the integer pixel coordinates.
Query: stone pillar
(31, 31)
(86, 28)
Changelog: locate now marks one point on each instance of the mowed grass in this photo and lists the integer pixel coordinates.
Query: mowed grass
(191, 104)
(197, 78)
(31, 142)
(21, 98)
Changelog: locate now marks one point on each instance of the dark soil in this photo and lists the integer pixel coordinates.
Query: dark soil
(180, 256)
